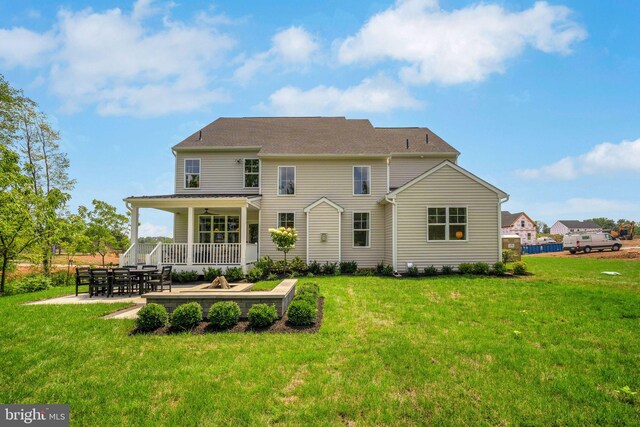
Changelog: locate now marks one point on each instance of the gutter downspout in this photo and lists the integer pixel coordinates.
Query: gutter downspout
(500, 202)
(394, 233)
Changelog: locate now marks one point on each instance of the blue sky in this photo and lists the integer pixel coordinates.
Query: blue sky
(541, 98)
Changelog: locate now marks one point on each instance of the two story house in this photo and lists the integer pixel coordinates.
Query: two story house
(352, 191)
(521, 225)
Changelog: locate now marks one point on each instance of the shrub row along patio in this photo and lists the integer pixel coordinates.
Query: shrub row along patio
(441, 350)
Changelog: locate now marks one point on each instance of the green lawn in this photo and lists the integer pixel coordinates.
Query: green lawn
(403, 352)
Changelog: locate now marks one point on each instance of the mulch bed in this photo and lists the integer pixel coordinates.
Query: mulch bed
(281, 326)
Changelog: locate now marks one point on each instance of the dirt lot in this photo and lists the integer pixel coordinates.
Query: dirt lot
(627, 252)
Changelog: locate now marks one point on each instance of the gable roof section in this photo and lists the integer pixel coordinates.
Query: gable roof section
(508, 218)
(455, 167)
(323, 200)
(314, 136)
(571, 223)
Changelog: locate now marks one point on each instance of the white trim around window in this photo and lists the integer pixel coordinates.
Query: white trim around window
(185, 173)
(285, 212)
(353, 180)
(354, 229)
(448, 224)
(295, 179)
(244, 173)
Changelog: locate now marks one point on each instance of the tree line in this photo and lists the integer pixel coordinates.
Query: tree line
(35, 189)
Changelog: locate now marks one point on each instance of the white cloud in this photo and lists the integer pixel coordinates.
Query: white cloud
(373, 95)
(463, 45)
(25, 48)
(147, 229)
(601, 159)
(142, 63)
(291, 48)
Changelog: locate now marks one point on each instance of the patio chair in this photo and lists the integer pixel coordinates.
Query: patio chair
(121, 281)
(83, 277)
(99, 282)
(160, 280)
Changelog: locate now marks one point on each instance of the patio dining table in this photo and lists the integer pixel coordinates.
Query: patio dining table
(138, 275)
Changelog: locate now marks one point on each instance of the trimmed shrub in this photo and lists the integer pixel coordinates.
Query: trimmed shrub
(364, 272)
(302, 312)
(186, 316)
(310, 298)
(508, 255)
(211, 273)
(234, 274)
(261, 315)
(499, 268)
(314, 268)
(280, 266)
(330, 268)
(447, 269)
(255, 274)
(151, 317)
(413, 271)
(519, 268)
(27, 284)
(184, 276)
(348, 267)
(481, 268)
(465, 268)
(380, 268)
(430, 271)
(298, 265)
(266, 264)
(387, 270)
(224, 314)
(308, 288)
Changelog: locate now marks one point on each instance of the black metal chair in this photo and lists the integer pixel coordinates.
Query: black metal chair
(83, 277)
(158, 281)
(100, 282)
(121, 281)
(149, 267)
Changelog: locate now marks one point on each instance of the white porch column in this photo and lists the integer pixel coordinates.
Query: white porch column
(190, 236)
(134, 232)
(243, 238)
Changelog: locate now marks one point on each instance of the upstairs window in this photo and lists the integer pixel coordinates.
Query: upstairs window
(361, 180)
(192, 173)
(446, 224)
(286, 219)
(251, 173)
(286, 180)
(522, 223)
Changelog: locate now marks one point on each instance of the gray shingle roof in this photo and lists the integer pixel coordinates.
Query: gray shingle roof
(508, 218)
(314, 135)
(572, 223)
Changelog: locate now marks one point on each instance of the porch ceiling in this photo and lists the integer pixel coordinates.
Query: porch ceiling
(174, 202)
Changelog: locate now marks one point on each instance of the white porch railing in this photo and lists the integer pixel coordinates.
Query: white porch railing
(174, 253)
(137, 254)
(216, 253)
(177, 254)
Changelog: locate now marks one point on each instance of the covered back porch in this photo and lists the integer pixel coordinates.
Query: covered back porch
(209, 231)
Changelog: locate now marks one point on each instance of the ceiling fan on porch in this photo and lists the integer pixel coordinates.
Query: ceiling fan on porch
(206, 212)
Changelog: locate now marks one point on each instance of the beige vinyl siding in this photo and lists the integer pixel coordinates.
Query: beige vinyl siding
(324, 219)
(220, 173)
(331, 178)
(404, 169)
(447, 187)
(180, 221)
(388, 234)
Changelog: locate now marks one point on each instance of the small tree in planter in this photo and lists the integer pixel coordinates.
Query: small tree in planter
(284, 239)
